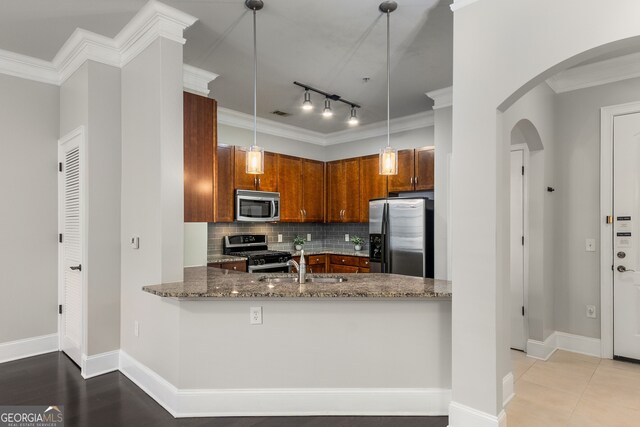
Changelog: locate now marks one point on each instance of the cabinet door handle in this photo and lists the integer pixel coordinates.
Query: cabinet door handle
(258, 182)
(305, 212)
(416, 180)
(411, 181)
(235, 267)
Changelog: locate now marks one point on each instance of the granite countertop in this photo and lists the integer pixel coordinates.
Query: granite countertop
(220, 258)
(212, 283)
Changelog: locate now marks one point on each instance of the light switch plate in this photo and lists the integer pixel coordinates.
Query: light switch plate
(279, 238)
(346, 237)
(135, 243)
(308, 237)
(590, 245)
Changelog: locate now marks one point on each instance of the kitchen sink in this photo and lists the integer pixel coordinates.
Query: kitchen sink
(310, 279)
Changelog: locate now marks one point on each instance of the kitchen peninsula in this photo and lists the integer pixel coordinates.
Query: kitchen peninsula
(373, 344)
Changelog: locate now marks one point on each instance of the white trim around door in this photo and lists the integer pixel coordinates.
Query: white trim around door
(607, 115)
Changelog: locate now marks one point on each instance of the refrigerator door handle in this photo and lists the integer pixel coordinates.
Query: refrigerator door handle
(384, 262)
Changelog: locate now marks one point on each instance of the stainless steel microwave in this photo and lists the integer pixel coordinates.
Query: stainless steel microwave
(257, 206)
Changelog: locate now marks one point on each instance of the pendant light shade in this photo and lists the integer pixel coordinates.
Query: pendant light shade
(388, 161)
(255, 154)
(388, 155)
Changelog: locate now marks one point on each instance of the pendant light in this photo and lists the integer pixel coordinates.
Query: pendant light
(255, 154)
(388, 155)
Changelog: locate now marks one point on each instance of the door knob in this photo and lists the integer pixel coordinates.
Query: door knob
(623, 269)
(76, 267)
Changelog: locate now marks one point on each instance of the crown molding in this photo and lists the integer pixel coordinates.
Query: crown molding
(27, 67)
(372, 130)
(596, 74)
(196, 80)
(270, 127)
(457, 5)
(442, 98)
(245, 121)
(153, 20)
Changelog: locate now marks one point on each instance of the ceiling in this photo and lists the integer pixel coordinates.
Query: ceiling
(328, 44)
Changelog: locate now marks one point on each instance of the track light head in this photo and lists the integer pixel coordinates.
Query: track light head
(306, 104)
(327, 109)
(353, 120)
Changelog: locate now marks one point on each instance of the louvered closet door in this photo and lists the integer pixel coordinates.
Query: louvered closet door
(71, 255)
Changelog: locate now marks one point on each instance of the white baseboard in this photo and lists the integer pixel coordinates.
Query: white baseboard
(28, 347)
(578, 344)
(507, 389)
(284, 402)
(563, 341)
(465, 416)
(542, 349)
(99, 364)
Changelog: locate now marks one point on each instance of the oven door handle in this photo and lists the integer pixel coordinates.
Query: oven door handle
(267, 266)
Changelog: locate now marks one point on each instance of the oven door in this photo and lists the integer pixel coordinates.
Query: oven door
(257, 206)
(270, 268)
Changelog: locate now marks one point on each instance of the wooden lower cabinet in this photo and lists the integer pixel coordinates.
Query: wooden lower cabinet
(235, 266)
(335, 268)
(348, 264)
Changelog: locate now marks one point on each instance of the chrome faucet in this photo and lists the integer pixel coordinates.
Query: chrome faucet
(300, 268)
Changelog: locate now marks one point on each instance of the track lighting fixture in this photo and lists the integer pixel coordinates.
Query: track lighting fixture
(307, 105)
(255, 155)
(353, 120)
(388, 155)
(327, 108)
(328, 97)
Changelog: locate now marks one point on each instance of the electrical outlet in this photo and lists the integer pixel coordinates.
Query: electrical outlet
(308, 237)
(255, 315)
(135, 243)
(591, 311)
(136, 328)
(346, 237)
(590, 245)
(279, 238)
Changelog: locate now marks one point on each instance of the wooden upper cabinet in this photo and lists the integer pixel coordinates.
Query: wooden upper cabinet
(372, 184)
(268, 181)
(200, 138)
(291, 188)
(312, 190)
(403, 181)
(415, 170)
(424, 168)
(224, 192)
(343, 199)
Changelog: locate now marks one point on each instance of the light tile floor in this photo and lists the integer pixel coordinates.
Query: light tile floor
(572, 390)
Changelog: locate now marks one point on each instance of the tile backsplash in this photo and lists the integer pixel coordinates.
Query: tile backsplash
(323, 236)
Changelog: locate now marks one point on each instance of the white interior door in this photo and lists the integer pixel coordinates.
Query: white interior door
(71, 248)
(518, 337)
(626, 236)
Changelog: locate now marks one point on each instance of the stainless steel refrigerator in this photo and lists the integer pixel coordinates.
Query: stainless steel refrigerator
(401, 236)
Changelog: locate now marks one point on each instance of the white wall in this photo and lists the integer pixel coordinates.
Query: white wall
(578, 193)
(307, 344)
(538, 107)
(91, 98)
(152, 203)
(502, 49)
(443, 148)
(231, 135)
(29, 126)
(422, 137)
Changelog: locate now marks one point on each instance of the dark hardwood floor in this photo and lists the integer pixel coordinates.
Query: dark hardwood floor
(112, 400)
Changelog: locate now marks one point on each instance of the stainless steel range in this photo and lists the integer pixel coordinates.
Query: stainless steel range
(259, 258)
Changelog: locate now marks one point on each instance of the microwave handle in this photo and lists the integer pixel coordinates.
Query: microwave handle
(273, 207)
